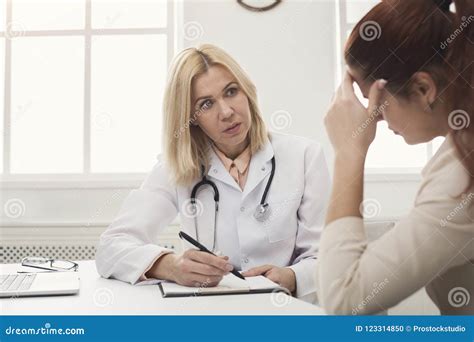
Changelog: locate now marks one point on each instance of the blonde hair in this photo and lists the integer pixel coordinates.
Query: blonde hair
(186, 146)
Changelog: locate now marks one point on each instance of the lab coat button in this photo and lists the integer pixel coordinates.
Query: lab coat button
(215, 170)
(263, 168)
(242, 209)
(245, 260)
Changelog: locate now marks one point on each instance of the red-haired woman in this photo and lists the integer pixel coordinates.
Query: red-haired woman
(418, 73)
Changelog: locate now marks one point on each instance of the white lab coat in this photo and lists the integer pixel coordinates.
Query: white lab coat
(290, 237)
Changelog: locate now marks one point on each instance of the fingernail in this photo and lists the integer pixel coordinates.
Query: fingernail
(381, 83)
(229, 267)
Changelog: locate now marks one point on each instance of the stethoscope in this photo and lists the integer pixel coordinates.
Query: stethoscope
(261, 214)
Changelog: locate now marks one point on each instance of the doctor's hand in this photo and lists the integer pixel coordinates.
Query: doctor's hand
(351, 126)
(193, 268)
(283, 276)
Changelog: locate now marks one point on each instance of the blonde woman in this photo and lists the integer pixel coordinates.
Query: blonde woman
(262, 199)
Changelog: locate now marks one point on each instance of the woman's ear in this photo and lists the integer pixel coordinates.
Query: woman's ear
(424, 87)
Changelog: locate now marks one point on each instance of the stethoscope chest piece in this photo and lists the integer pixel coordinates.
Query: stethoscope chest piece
(262, 212)
(193, 208)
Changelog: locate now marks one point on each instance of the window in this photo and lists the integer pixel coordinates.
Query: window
(389, 153)
(83, 83)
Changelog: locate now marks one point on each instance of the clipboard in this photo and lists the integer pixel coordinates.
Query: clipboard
(230, 285)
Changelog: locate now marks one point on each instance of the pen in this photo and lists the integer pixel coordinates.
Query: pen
(185, 236)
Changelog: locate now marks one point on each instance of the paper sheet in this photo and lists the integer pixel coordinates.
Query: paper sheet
(229, 284)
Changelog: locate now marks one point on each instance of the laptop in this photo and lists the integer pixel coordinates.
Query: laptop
(39, 284)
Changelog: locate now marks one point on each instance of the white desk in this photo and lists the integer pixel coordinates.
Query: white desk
(99, 296)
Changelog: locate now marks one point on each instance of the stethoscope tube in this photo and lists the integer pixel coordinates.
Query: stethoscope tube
(263, 210)
(261, 213)
(203, 182)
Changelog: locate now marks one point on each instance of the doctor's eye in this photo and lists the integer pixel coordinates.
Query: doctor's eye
(206, 105)
(232, 91)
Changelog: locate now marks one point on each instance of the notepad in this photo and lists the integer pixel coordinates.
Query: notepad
(230, 284)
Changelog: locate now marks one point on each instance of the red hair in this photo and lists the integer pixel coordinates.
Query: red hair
(398, 38)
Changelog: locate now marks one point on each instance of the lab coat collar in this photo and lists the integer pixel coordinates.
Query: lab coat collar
(259, 168)
(218, 171)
